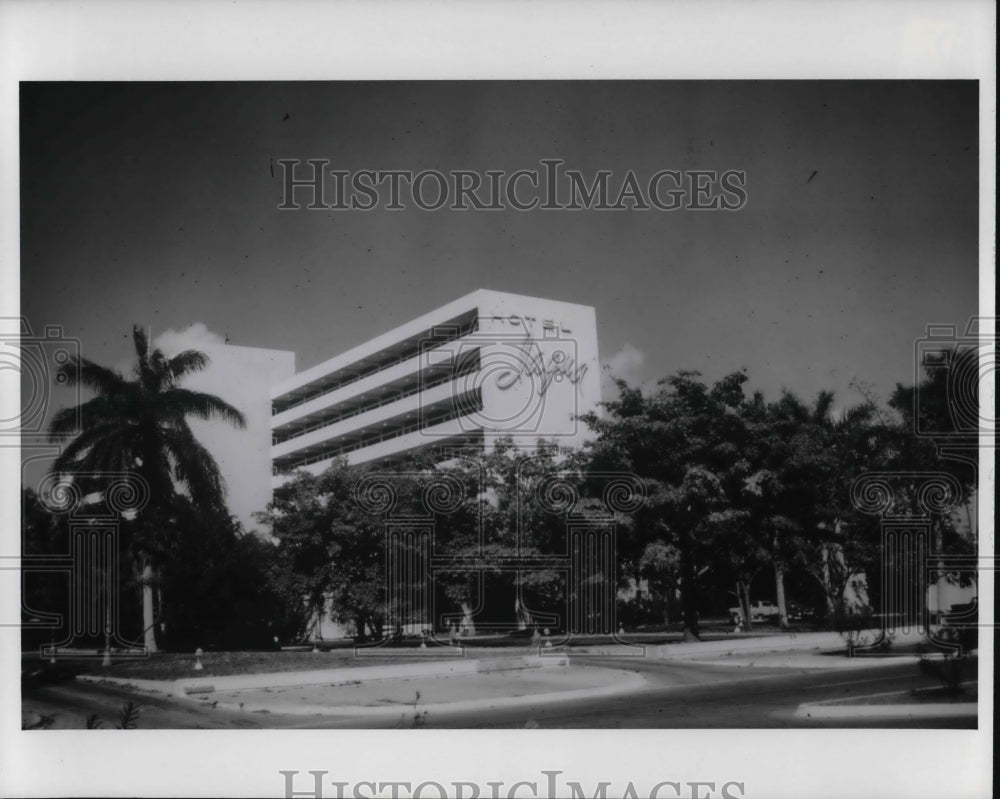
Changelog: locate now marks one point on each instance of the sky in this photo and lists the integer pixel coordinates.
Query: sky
(157, 204)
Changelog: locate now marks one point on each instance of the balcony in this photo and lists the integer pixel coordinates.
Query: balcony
(453, 433)
(402, 412)
(376, 391)
(356, 366)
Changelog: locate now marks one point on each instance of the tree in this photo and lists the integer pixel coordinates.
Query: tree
(332, 546)
(938, 420)
(514, 521)
(484, 511)
(820, 458)
(139, 425)
(659, 565)
(685, 440)
(224, 588)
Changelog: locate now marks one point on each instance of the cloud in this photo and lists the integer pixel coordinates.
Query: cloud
(171, 342)
(626, 364)
(195, 337)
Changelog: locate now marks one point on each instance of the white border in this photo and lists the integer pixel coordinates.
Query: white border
(303, 40)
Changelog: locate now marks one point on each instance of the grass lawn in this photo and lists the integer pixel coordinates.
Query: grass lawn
(339, 654)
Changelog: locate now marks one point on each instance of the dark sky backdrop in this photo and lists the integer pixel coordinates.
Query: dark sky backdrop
(156, 204)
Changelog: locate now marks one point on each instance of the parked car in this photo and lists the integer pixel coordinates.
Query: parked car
(799, 612)
(759, 611)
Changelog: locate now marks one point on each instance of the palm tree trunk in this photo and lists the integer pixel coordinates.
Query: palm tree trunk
(689, 598)
(779, 592)
(827, 582)
(743, 596)
(148, 620)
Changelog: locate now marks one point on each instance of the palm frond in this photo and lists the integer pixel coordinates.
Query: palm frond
(139, 425)
(823, 406)
(94, 412)
(185, 363)
(66, 420)
(158, 374)
(128, 716)
(81, 371)
(75, 452)
(792, 406)
(183, 402)
(194, 466)
(141, 345)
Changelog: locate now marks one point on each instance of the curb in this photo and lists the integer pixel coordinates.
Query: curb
(817, 662)
(775, 643)
(634, 682)
(336, 676)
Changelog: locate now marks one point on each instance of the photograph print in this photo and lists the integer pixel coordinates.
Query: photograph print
(505, 404)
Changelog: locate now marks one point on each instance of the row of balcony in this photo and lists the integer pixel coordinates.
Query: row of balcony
(424, 421)
(416, 383)
(448, 331)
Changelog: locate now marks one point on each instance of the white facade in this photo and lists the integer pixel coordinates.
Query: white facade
(243, 377)
(487, 365)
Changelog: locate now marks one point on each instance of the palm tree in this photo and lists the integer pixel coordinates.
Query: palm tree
(140, 425)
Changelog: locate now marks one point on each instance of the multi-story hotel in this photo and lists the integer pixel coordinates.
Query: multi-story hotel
(487, 365)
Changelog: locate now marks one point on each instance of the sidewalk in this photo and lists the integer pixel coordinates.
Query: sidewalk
(825, 650)
(408, 698)
(702, 650)
(819, 659)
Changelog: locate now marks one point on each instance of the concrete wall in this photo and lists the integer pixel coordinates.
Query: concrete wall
(243, 377)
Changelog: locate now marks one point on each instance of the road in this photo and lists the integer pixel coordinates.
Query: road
(678, 695)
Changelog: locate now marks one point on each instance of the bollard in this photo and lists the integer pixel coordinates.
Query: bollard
(197, 660)
(621, 629)
(548, 643)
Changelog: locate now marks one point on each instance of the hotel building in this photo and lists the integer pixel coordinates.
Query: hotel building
(484, 366)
